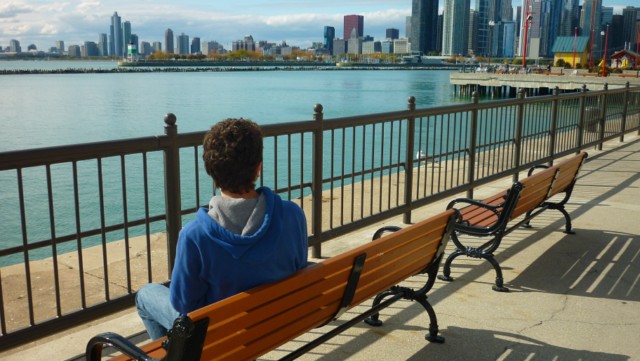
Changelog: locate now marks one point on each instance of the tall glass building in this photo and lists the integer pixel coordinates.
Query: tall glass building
(116, 45)
(424, 26)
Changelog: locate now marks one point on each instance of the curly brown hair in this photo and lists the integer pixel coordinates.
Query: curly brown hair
(232, 153)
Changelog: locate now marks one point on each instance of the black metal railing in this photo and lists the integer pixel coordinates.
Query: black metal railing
(84, 226)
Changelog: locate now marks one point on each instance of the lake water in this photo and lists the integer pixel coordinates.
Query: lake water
(43, 110)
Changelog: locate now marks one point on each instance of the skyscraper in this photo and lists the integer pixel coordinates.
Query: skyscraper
(393, 33)
(455, 27)
(126, 36)
(116, 45)
(630, 19)
(103, 45)
(168, 41)
(329, 35)
(353, 26)
(488, 11)
(195, 45)
(424, 25)
(591, 23)
(183, 44)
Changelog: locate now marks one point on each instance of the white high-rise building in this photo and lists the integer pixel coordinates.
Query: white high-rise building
(455, 27)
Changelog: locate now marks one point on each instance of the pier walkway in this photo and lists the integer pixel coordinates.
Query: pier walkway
(573, 297)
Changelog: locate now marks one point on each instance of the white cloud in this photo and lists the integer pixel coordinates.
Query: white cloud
(11, 9)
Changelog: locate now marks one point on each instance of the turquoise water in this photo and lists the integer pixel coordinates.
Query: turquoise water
(57, 109)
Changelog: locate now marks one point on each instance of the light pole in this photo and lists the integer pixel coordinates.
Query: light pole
(604, 56)
(575, 38)
(491, 25)
(527, 20)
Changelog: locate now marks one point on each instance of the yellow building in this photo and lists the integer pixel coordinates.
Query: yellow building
(569, 48)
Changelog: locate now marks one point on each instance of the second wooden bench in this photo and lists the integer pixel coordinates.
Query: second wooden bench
(491, 217)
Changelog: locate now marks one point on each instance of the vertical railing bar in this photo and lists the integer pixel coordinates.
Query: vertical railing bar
(105, 262)
(172, 193)
(54, 241)
(302, 170)
(76, 206)
(623, 120)
(373, 156)
(603, 114)
(408, 169)
(196, 152)
(125, 216)
(419, 156)
(381, 173)
(441, 153)
(332, 159)
(289, 184)
(472, 144)
(554, 123)
(275, 162)
(518, 134)
(389, 174)
(580, 128)
(398, 166)
(343, 151)
(362, 180)
(145, 171)
(318, 161)
(427, 139)
(353, 171)
(433, 154)
(446, 148)
(25, 244)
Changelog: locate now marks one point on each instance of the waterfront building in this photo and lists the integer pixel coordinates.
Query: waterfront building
(353, 26)
(14, 46)
(60, 46)
(392, 33)
(407, 27)
(212, 47)
(74, 51)
(168, 41)
(135, 41)
(103, 44)
(126, 35)
(455, 39)
(329, 35)
(195, 45)
(439, 34)
(157, 46)
(386, 46)
(506, 39)
(401, 46)
(339, 47)
(354, 46)
(89, 48)
(616, 34)
(424, 26)
(116, 44)
(371, 47)
(145, 48)
(247, 44)
(183, 43)
(489, 11)
(630, 27)
(472, 46)
(569, 47)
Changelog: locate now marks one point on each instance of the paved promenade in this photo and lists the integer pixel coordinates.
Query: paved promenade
(573, 297)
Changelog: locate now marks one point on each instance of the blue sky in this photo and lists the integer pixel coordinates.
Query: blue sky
(298, 22)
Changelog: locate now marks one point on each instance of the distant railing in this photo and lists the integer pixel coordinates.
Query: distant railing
(84, 226)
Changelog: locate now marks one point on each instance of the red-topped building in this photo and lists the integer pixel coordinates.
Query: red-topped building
(351, 23)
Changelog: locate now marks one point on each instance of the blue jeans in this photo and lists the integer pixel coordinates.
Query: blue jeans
(155, 310)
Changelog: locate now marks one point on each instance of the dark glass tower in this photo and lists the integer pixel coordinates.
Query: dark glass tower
(117, 43)
(424, 26)
(329, 35)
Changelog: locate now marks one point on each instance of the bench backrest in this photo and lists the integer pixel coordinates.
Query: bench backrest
(252, 323)
(536, 189)
(568, 172)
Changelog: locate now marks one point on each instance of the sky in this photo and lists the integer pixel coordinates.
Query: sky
(298, 22)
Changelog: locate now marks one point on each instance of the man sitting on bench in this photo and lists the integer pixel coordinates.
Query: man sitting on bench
(247, 237)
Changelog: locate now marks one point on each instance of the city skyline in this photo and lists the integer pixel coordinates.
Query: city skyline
(299, 23)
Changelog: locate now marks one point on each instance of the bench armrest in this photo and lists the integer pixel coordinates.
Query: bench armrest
(537, 166)
(97, 343)
(473, 202)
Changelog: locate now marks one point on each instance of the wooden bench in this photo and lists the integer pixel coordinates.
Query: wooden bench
(252, 323)
(492, 216)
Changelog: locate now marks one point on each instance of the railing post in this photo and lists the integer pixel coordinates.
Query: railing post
(172, 188)
(583, 104)
(554, 123)
(623, 126)
(316, 187)
(408, 169)
(517, 140)
(471, 176)
(603, 114)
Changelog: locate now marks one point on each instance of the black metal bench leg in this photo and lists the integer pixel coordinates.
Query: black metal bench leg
(499, 286)
(527, 223)
(567, 218)
(432, 336)
(446, 269)
(374, 320)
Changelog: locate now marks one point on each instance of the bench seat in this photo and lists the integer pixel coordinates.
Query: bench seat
(252, 323)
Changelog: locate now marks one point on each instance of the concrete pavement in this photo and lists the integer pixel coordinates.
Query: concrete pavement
(573, 297)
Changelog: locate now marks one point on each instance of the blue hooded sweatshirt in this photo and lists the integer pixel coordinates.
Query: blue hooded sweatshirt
(213, 263)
